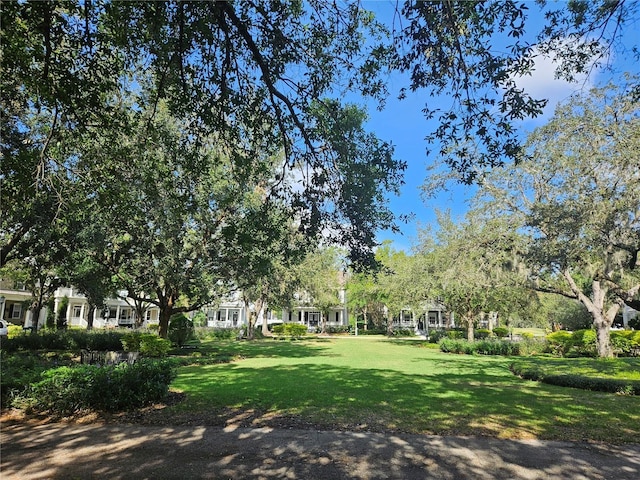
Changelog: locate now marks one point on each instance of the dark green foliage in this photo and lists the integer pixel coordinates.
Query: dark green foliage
(66, 390)
(403, 332)
(338, 329)
(73, 340)
(436, 335)
(21, 369)
(373, 331)
(482, 333)
(103, 340)
(501, 332)
(610, 385)
(180, 329)
(482, 347)
(290, 329)
(61, 319)
(635, 323)
(148, 344)
(455, 333)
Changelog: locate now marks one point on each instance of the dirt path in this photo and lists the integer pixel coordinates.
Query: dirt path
(120, 451)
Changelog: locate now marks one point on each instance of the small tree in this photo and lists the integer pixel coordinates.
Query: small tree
(180, 329)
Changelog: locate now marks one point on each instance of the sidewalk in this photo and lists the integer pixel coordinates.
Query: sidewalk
(60, 451)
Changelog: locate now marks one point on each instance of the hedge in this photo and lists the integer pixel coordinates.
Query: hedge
(610, 385)
(482, 347)
(67, 390)
(290, 329)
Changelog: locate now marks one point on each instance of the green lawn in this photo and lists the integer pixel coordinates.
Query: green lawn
(370, 383)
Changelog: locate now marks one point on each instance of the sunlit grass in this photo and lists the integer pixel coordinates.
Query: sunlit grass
(376, 384)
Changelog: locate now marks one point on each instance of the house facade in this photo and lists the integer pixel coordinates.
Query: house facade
(229, 312)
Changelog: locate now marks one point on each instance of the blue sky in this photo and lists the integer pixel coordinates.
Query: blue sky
(402, 123)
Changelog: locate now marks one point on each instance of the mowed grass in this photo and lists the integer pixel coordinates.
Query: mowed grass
(377, 384)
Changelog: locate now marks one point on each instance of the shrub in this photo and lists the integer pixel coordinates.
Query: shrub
(290, 329)
(436, 335)
(338, 329)
(625, 342)
(152, 345)
(453, 345)
(501, 332)
(66, 390)
(180, 329)
(497, 347)
(532, 346)
(373, 331)
(611, 385)
(403, 332)
(102, 340)
(526, 335)
(481, 333)
(131, 341)
(455, 334)
(583, 342)
(559, 342)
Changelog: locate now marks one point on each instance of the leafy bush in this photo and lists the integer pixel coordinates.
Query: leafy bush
(526, 335)
(532, 346)
(180, 329)
(497, 347)
(501, 332)
(102, 340)
(583, 342)
(436, 335)
(22, 369)
(69, 340)
(131, 341)
(625, 342)
(290, 329)
(338, 329)
(217, 333)
(481, 333)
(153, 346)
(559, 342)
(635, 322)
(453, 345)
(373, 331)
(403, 332)
(455, 333)
(66, 390)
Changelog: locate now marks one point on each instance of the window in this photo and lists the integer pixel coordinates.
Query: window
(16, 311)
(77, 311)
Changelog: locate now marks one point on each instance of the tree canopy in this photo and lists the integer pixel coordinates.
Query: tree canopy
(577, 197)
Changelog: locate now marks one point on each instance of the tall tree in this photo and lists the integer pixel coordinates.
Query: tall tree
(260, 78)
(472, 267)
(321, 281)
(577, 194)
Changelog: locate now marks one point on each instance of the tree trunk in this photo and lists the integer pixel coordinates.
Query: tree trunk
(262, 316)
(92, 309)
(36, 308)
(603, 338)
(166, 310)
(602, 319)
(470, 329)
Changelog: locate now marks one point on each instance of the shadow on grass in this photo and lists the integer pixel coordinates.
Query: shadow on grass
(467, 401)
(270, 348)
